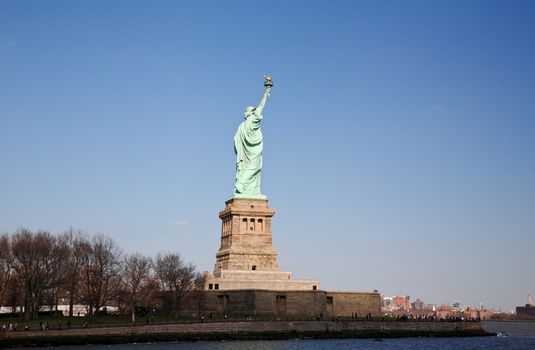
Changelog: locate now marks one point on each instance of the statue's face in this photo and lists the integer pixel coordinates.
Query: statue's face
(248, 111)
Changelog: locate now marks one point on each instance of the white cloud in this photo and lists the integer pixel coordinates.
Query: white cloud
(181, 223)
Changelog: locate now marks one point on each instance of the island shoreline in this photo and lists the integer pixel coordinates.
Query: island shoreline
(242, 330)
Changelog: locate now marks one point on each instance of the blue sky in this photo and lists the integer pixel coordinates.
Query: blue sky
(399, 147)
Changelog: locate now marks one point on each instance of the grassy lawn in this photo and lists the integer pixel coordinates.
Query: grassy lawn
(56, 322)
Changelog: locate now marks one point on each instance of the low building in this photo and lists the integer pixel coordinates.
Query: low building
(526, 312)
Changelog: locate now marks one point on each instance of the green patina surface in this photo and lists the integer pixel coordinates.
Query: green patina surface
(248, 146)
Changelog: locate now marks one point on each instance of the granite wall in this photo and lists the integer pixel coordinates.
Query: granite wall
(280, 304)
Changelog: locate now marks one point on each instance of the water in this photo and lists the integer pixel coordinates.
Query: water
(517, 336)
(487, 343)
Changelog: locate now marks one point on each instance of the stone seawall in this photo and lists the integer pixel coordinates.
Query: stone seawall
(246, 330)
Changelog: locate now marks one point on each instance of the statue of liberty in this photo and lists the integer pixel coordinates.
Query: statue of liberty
(248, 146)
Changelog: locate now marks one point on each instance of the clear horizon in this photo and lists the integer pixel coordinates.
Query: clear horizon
(398, 140)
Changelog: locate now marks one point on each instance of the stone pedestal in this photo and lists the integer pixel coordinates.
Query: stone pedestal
(246, 258)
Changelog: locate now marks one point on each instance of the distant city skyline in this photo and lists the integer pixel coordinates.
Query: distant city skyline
(412, 124)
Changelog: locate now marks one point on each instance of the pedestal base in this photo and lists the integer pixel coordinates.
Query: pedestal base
(246, 258)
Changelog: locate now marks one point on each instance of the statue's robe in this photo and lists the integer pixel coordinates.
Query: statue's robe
(248, 145)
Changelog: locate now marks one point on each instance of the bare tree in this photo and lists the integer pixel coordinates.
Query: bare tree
(6, 266)
(186, 283)
(166, 268)
(79, 246)
(57, 268)
(149, 295)
(36, 261)
(99, 273)
(175, 276)
(199, 296)
(135, 274)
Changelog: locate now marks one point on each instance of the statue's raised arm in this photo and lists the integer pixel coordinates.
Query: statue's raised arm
(268, 83)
